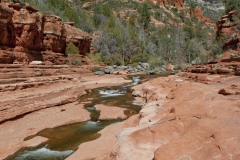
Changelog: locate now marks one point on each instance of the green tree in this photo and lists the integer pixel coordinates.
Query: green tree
(71, 49)
(145, 16)
(192, 5)
(231, 5)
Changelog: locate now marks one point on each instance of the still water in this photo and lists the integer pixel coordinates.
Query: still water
(64, 140)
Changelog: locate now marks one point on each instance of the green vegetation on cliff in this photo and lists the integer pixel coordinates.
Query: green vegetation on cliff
(233, 5)
(126, 32)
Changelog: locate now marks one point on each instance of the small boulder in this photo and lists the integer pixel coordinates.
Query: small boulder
(107, 71)
(99, 73)
(226, 92)
(140, 68)
(144, 65)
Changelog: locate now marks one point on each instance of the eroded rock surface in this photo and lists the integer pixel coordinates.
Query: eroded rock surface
(110, 112)
(36, 97)
(181, 119)
(196, 123)
(27, 35)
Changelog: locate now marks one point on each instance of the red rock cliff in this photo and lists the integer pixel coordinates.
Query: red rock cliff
(27, 34)
(226, 26)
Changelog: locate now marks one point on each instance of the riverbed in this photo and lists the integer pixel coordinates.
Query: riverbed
(64, 140)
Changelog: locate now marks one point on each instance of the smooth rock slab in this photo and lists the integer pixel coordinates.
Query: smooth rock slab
(110, 112)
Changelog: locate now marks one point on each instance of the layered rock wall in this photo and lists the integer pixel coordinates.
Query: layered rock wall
(226, 27)
(36, 36)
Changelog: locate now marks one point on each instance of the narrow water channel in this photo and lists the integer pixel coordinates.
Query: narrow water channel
(64, 140)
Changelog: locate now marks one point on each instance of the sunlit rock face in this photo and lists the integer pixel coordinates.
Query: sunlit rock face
(31, 35)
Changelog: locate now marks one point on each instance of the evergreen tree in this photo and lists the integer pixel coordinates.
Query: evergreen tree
(231, 5)
(145, 16)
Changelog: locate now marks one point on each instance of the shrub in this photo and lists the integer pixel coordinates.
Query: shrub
(71, 49)
(97, 57)
(78, 62)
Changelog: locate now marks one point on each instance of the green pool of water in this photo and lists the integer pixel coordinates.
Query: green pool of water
(64, 140)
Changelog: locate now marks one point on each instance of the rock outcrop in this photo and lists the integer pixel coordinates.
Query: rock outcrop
(180, 119)
(36, 97)
(27, 35)
(226, 26)
(196, 123)
(197, 12)
(229, 62)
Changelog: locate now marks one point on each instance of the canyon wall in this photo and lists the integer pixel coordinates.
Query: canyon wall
(27, 35)
(226, 27)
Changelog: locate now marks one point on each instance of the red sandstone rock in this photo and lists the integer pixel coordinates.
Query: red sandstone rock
(226, 26)
(30, 33)
(169, 67)
(197, 12)
(110, 112)
(197, 124)
(226, 92)
(120, 72)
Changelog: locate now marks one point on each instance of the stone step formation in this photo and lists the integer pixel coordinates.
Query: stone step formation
(37, 87)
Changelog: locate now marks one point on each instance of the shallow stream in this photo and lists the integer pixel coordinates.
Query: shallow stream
(64, 140)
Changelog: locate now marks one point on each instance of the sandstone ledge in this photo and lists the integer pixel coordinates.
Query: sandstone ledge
(14, 132)
(110, 112)
(182, 119)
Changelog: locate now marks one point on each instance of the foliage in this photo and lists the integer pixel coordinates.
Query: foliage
(145, 16)
(123, 33)
(231, 5)
(209, 8)
(71, 49)
(96, 57)
(78, 62)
